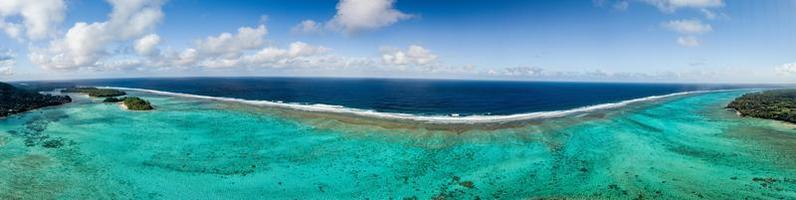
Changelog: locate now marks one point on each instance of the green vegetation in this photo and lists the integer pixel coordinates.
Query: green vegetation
(41, 86)
(13, 100)
(95, 92)
(132, 103)
(772, 104)
(113, 100)
(135, 103)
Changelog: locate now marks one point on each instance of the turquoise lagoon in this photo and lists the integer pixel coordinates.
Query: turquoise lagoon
(683, 147)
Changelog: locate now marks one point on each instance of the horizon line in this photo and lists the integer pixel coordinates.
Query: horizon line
(406, 78)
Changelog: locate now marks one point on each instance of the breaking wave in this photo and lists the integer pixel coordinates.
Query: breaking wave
(442, 119)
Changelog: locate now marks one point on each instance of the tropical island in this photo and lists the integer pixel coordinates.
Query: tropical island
(95, 92)
(772, 104)
(14, 100)
(131, 103)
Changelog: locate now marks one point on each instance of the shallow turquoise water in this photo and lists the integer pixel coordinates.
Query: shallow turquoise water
(679, 148)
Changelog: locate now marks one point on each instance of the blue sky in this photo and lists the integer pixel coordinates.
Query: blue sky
(589, 40)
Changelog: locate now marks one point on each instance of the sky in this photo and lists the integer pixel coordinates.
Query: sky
(716, 41)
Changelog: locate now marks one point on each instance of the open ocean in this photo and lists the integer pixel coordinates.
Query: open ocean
(421, 97)
(231, 138)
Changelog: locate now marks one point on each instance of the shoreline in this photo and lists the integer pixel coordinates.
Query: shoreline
(348, 114)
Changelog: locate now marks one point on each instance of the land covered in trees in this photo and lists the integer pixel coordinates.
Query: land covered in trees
(772, 104)
(14, 100)
(95, 92)
(131, 103)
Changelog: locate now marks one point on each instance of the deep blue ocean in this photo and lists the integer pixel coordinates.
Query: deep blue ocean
(424, 97)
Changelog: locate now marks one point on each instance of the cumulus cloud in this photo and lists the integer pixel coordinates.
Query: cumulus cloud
(246, 48)
(418, 59)
(538, 73)
(187, 57)
(85, 44)
(522, 71)
(6, 55)
(786, 69)
(297, 54)
(300, 55)
(126, 40)
(666, 6)
(692, 26)
(231, 45)
(358, 15)
(147, 45)
(414, 55)
(6, 71)
(673, 5)
(223, 50)
(688, 28)
(38, 18)
(7, 61)
(307, 27)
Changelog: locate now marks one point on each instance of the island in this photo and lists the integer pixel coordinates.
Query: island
(131, 103)
(113, 100)
(14, 100)
(777, 104)
(95, 92)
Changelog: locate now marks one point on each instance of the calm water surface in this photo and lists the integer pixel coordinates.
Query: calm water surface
(425, 97)
(685, 147)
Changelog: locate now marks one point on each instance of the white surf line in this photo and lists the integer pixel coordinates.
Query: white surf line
(472, 119)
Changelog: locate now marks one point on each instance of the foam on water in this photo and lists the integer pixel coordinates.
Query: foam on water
(194, 148)
(472, 119)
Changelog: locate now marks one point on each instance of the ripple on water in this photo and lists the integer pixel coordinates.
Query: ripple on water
(681, 148)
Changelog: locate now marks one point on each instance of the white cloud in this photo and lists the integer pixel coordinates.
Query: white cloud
(414, 55)
(523, 71)
(246, 48)
(302, 56)
(121, 64)
(713, 15)
(708, 14)
(147, 45)
(224, 50)
(688, 41)
(13, 30)
(537, 73)
(303, 49)
(7, 55)
(227, 44)
(673, 5)
(307, 27)
(187, 57)
(787, 69)
(688, 29)
(38, 17)
(688, 26)
(90, 46)
(7, 61)
(358, 15)
(6, 71)
(298, 54)
(86, 44)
